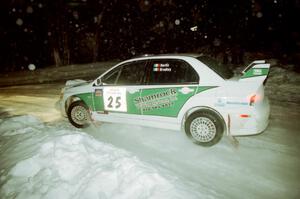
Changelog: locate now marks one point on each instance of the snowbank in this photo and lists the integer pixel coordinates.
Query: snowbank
(283, 85)
(18, 125)
(55, 74)
(50, 162)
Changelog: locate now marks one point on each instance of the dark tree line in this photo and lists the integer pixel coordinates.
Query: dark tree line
(62, 32)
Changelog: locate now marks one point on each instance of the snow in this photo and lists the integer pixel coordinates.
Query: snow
(177, 22)
(43, 156)
(29, 10)
(31, 67)
(72, 164)
(15, 125)
(259, 14)
(19, 22)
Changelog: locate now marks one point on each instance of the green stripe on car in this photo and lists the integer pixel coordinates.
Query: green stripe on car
(255, 72)
(166, 101)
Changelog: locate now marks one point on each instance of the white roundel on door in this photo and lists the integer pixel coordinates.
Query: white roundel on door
(115, 99)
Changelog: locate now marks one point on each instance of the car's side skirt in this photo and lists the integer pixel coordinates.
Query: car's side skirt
(158, 122)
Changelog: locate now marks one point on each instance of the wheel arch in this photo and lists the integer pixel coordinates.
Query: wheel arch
(70, 100)
(204, 108)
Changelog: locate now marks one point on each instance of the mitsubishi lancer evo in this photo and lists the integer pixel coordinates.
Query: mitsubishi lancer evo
(189, 93)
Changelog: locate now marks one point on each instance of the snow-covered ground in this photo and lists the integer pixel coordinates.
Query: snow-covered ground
(55, 161)
(43, 156)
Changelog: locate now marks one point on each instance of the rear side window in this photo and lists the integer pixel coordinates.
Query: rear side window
(127, 74)
(216, 66)
(171, 71)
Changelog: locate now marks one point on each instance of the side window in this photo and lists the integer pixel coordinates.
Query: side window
(132, 73)
(112, 76)
(171, 72)
(127, 74)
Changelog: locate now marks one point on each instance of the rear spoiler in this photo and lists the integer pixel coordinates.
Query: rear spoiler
(257, 70)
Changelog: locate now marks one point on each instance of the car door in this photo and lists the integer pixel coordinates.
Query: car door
(170, 83)
(114, 97)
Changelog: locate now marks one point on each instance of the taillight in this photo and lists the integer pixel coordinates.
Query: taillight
(244, 115)
(252, 100)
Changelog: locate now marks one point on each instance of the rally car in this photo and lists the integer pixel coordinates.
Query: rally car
(191, 93)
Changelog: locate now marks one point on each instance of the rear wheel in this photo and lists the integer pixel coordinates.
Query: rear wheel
(79, 115)
(204, 128)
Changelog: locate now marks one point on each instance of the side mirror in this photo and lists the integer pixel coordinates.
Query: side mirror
(98, 82)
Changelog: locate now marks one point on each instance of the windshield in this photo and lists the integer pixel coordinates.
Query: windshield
(223, 70)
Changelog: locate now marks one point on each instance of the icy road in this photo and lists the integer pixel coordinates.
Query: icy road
(43, 156)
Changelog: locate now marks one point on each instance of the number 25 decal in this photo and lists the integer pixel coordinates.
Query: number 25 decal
(115, 99)
(118, 103)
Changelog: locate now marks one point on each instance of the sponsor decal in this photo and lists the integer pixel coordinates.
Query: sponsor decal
(98, 92)
(133, 91)
(157, 100)
(237, 103)
(257, 72)
(186, 90)
(161, 68)
(221, 101)
(254, 72)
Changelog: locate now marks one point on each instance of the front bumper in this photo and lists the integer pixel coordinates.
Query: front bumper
(256, 123)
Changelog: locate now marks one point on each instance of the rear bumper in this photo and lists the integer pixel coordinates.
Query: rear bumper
(256, 123)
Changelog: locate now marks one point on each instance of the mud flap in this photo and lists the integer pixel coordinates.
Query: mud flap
(235, 143)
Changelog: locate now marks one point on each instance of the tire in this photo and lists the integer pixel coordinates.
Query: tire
(79, 115)
(205, 128)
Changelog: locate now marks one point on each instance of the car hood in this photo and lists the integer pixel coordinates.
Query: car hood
(76, 82)
(76, 86)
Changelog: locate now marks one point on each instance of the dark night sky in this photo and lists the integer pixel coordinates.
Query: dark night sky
(77, 31)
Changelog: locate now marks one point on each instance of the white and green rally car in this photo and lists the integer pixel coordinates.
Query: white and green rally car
(181, 92)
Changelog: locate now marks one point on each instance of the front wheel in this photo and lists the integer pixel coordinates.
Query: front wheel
(78, 114)
(204, 128)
